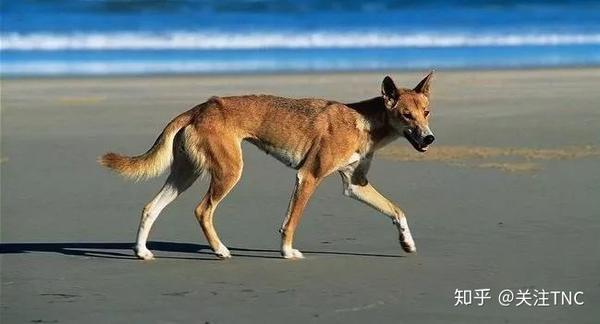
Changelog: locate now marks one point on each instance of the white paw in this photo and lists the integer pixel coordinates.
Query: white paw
(406, 240)
(144, 253)
(292, 254)
(223, 252)
(408, 248)
(408, 244)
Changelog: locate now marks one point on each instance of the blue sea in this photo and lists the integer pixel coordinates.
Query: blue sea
(136, 37)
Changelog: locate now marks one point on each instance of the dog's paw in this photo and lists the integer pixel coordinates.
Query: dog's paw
(144, 254)
(408, 247)
(292, 254)
(223, 252)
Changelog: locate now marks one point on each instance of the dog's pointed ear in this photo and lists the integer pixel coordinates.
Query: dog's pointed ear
(390, 92)
(424, 86)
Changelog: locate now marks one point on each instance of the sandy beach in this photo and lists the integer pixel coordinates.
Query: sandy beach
(507, 198)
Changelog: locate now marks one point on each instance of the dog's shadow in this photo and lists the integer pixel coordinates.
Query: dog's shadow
(124, 250)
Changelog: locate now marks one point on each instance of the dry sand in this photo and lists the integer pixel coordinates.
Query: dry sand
(506, 199)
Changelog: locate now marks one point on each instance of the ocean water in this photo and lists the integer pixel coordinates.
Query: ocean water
(123, 37)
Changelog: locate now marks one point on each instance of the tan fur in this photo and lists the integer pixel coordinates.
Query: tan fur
(152, 163)
(314, 136)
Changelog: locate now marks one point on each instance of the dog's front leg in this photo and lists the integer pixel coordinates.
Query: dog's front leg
(357, 187)
(305, 186)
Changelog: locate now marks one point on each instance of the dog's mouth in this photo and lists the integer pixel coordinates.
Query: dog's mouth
(408, 134)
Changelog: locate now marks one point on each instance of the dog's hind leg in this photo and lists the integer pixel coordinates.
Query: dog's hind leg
(225, 167)
(183, 174)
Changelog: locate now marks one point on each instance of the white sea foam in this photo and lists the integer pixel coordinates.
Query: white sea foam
(125, 67)
(34, 68)
(259, 40)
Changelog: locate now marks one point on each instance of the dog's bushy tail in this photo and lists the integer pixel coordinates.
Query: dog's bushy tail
(154, 161)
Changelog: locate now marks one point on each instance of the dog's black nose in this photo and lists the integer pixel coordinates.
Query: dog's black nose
(428, 139)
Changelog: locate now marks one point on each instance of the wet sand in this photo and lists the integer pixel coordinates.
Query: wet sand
(506, 199)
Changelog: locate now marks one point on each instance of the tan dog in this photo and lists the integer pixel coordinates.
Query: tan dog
(314, 136)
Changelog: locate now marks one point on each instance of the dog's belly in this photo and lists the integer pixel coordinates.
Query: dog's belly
(288, 157)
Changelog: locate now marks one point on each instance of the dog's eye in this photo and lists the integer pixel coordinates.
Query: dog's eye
(426, 113)
(407, 115)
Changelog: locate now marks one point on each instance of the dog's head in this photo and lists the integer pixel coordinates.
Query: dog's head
(409, 112)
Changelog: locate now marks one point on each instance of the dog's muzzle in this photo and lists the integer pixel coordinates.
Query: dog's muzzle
(419, 138)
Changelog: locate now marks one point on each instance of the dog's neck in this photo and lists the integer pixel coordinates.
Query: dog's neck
(372, 110)
(377, 116)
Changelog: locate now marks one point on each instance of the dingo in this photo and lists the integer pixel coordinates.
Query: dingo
(314, 136)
